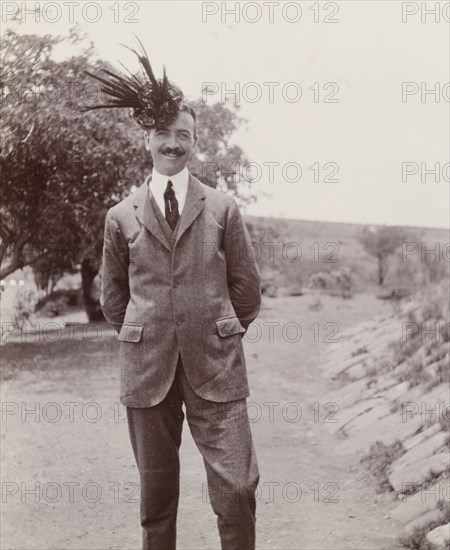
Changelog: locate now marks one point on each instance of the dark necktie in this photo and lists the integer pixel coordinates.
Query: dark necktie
(171, 206)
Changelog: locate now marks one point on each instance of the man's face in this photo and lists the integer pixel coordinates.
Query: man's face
(171, 147)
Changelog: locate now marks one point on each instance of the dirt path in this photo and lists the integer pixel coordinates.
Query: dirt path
(69, 482)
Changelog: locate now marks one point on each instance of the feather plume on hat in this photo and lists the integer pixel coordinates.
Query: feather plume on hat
(154, 102)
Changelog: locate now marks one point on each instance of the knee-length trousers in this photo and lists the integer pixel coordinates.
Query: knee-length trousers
(222, 434)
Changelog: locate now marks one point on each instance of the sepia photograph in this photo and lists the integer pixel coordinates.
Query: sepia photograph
(225, 275)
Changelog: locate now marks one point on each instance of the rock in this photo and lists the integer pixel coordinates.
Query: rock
(413, 395)
(416, 474)
(369, 419)
(439, 537)
(396, 391)
(431, 406)
(421, 451)
(347, 415)
(375, 346)
(337, 353)
(433, 368)
(385, 381)
(409, 308)
(341, 366)
(439, 394)
(434, 400)
(357, 372)
(421, 503)
(423, 522)
(387, 430)
(362, 329)
(382, 342)
(348, 395)
(421, 436)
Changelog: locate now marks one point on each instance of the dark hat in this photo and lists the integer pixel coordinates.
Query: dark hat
(152, 102)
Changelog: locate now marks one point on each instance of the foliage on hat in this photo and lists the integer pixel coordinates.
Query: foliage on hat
(152, 102)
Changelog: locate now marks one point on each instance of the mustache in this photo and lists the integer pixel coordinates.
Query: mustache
(170, 151)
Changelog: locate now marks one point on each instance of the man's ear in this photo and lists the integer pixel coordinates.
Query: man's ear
(147, 139)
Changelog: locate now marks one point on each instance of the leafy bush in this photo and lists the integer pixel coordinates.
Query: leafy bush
(270, 282)
(58, 302)
(25, 301)
(378, 460)
(381, 242)
(320, 280)
(341, 280)
(416, 350)
(295, 290)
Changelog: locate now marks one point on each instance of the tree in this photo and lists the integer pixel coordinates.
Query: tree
(59, 167)
(62, 169)
(219, 163)
(265, 238)
(381, 242)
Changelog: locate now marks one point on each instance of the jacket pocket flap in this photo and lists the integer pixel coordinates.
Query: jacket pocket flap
(130, 333)
(229, 326)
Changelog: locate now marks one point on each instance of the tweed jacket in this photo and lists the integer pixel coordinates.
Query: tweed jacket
(192, 292)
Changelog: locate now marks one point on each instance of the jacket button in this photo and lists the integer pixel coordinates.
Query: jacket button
(178, 321)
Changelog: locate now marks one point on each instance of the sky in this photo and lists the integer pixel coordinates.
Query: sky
(341, 124)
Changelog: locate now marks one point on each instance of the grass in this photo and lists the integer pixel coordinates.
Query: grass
(45, 354)
(378, 460)
(359, 351)
(417, 539)
(413, 354)
(327, 246)
(433, 478)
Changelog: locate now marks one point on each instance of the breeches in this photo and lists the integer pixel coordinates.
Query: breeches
(222, 434)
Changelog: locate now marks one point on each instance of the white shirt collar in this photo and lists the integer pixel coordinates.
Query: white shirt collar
(179, 181)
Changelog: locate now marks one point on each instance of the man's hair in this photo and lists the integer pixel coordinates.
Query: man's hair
(190, 110)
(187, 109)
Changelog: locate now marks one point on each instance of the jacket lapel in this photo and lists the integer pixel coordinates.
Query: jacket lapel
(195, 201)
(147, 214)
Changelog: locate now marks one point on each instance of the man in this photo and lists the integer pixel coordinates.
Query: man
(181, 287)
